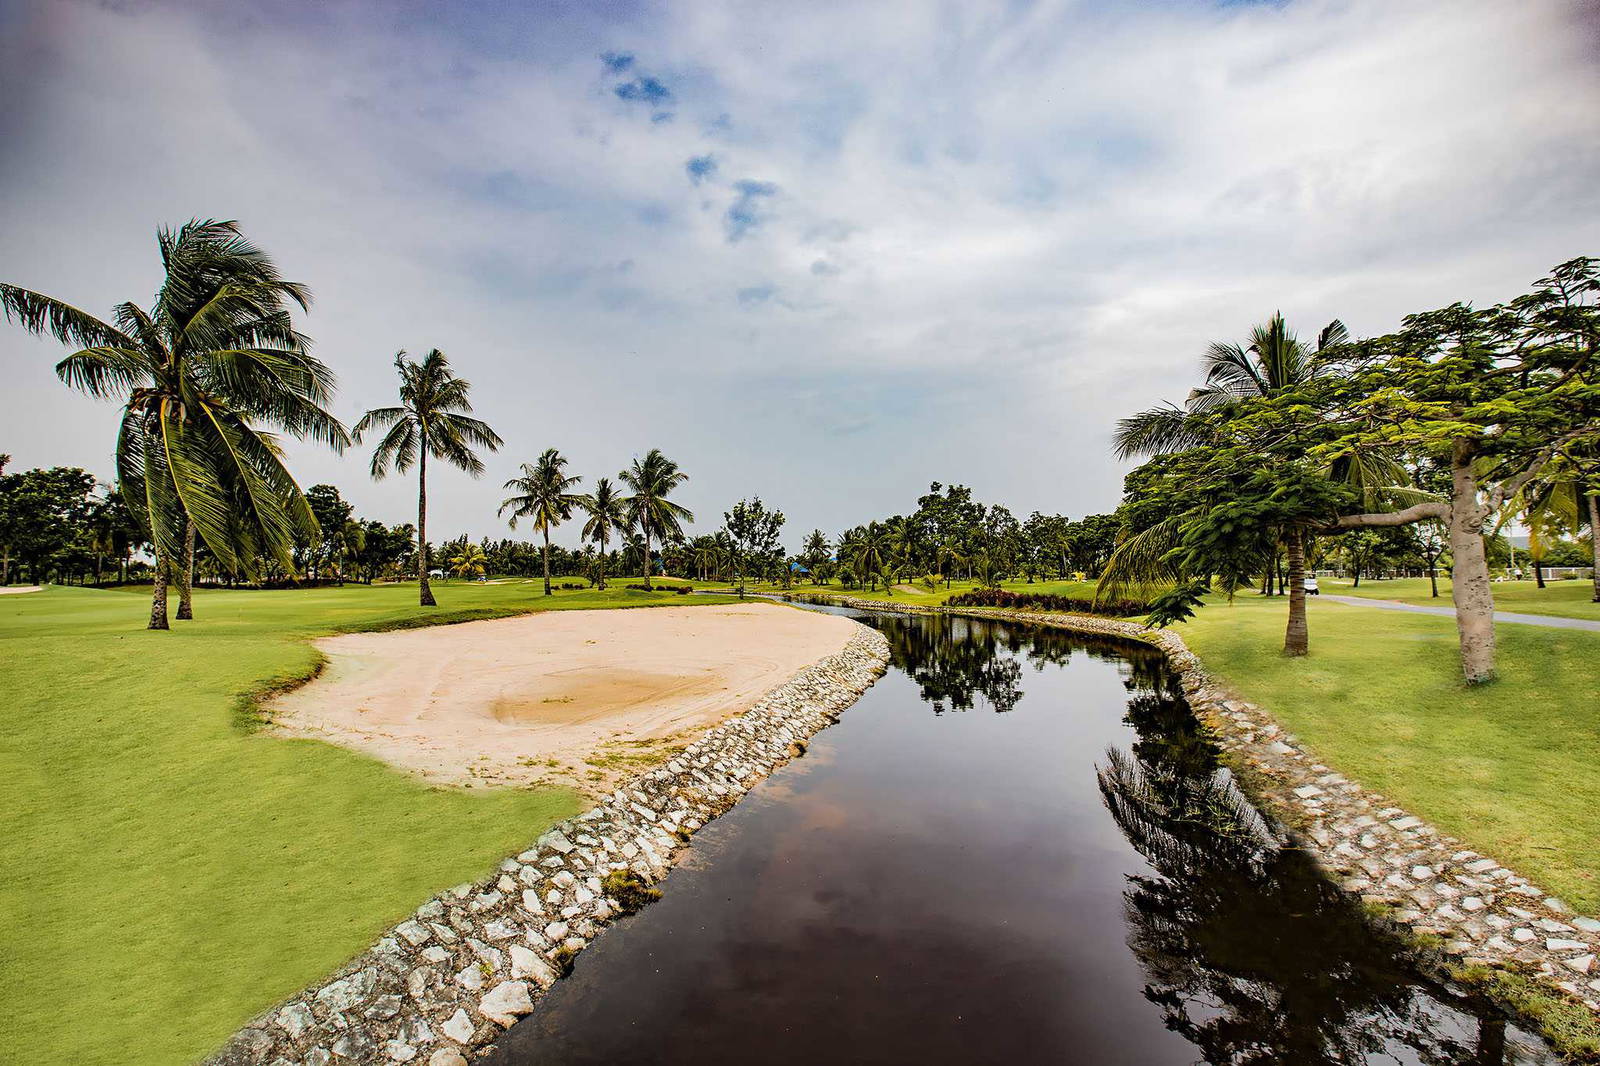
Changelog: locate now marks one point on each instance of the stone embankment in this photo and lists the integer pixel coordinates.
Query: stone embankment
(470, 962)
(1478, 910)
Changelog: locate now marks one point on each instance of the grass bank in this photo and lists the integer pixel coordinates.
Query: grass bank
(164, 873)
(1507, 767)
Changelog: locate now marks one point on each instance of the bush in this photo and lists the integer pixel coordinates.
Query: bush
(629, 890)
(1032, 601)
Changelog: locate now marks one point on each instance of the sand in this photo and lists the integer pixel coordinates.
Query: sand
(13, 590)
(584, 698)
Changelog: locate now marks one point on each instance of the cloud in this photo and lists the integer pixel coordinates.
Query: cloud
(1016, 225)
(748, 209)
(700, 167)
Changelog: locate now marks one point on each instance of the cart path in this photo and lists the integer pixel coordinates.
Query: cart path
(1548, 620)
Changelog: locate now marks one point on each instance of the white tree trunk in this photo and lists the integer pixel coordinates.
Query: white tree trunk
(1469, 585)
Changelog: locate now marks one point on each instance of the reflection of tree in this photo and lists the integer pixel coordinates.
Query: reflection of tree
(955, 662)
(1251, 954)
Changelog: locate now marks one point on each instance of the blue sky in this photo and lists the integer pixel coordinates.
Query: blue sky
(827, 253)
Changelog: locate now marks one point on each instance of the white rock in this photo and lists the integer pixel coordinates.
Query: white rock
(508, 1001)
(459, 1027)
(530, 901)
(295, 1019)
(414, 933)
(1581, 964)
(448, 1056)
(1561, 944)
(555, 931)
(399, 1052)
(435, 954)
(527, 963)
(470, 978)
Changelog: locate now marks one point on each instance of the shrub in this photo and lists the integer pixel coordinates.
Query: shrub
(1033, 601)
(629, 890)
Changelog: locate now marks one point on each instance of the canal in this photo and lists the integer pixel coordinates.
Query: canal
(1016, 847)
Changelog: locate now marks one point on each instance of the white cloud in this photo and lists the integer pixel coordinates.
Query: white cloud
(1030, 224)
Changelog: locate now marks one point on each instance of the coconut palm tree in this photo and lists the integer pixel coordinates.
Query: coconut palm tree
(203, 373)
(651, 480)
(433, 419)
(1274, 361)
(608, 515)
(873, 550)
(543, 493)
(470, 561)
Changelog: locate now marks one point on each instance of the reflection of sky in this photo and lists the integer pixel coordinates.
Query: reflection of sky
(894, 245)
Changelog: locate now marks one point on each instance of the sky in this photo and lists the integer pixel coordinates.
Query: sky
(824, 253)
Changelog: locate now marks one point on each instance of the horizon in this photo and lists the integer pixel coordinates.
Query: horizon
(803, 264)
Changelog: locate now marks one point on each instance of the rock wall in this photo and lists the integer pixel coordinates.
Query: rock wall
(1431, 883)
(470, 962)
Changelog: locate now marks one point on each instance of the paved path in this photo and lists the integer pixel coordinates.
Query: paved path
(1549, 620)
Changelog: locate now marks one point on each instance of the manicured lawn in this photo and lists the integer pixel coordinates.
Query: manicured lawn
(164, 874)
(1568, 599)
(1508, 767)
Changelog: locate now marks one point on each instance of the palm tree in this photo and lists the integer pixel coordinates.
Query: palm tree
(432, 419)
(543, 495)
(607, 513)
(873, 550)
(213, 359)
(651, 480)
(470, 561)
(1274, 361)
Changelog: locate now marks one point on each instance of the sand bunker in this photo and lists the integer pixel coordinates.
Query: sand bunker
(586, 698)
(13, 590)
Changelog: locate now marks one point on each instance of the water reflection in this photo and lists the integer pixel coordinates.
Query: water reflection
(1250, 953)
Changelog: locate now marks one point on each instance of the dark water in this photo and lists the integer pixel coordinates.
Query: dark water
(1013, 849)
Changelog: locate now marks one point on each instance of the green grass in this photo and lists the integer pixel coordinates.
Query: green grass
(1566, 599)
(164, 873)
(1507, 767)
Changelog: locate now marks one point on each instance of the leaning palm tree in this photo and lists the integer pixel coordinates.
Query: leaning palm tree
(213, 360)
(651, 480)
(432, 419)
(608, 515)
(543, 494)
(1274, 361)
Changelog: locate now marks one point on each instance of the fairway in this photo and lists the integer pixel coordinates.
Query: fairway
(167, 873)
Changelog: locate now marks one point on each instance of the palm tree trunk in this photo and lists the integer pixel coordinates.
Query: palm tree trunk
(644, 527)
(186, 574)
(1538, 573)
(5, 568)
(600, 564)
(1296, 637)
(422, 526)
(158, 595)
(547, 560)
(1433, 576)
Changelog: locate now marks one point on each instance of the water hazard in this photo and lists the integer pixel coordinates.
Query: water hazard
(1014, 848)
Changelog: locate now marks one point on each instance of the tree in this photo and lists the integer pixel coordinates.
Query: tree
(332, 512)
(651, 480)
(815, 553)
(607, 513)
(433, 419)
(469, 561)
(543, 493)
(43, 513)
(1273, 361)
(213, 360)
(753, 532)
(1496, 397)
